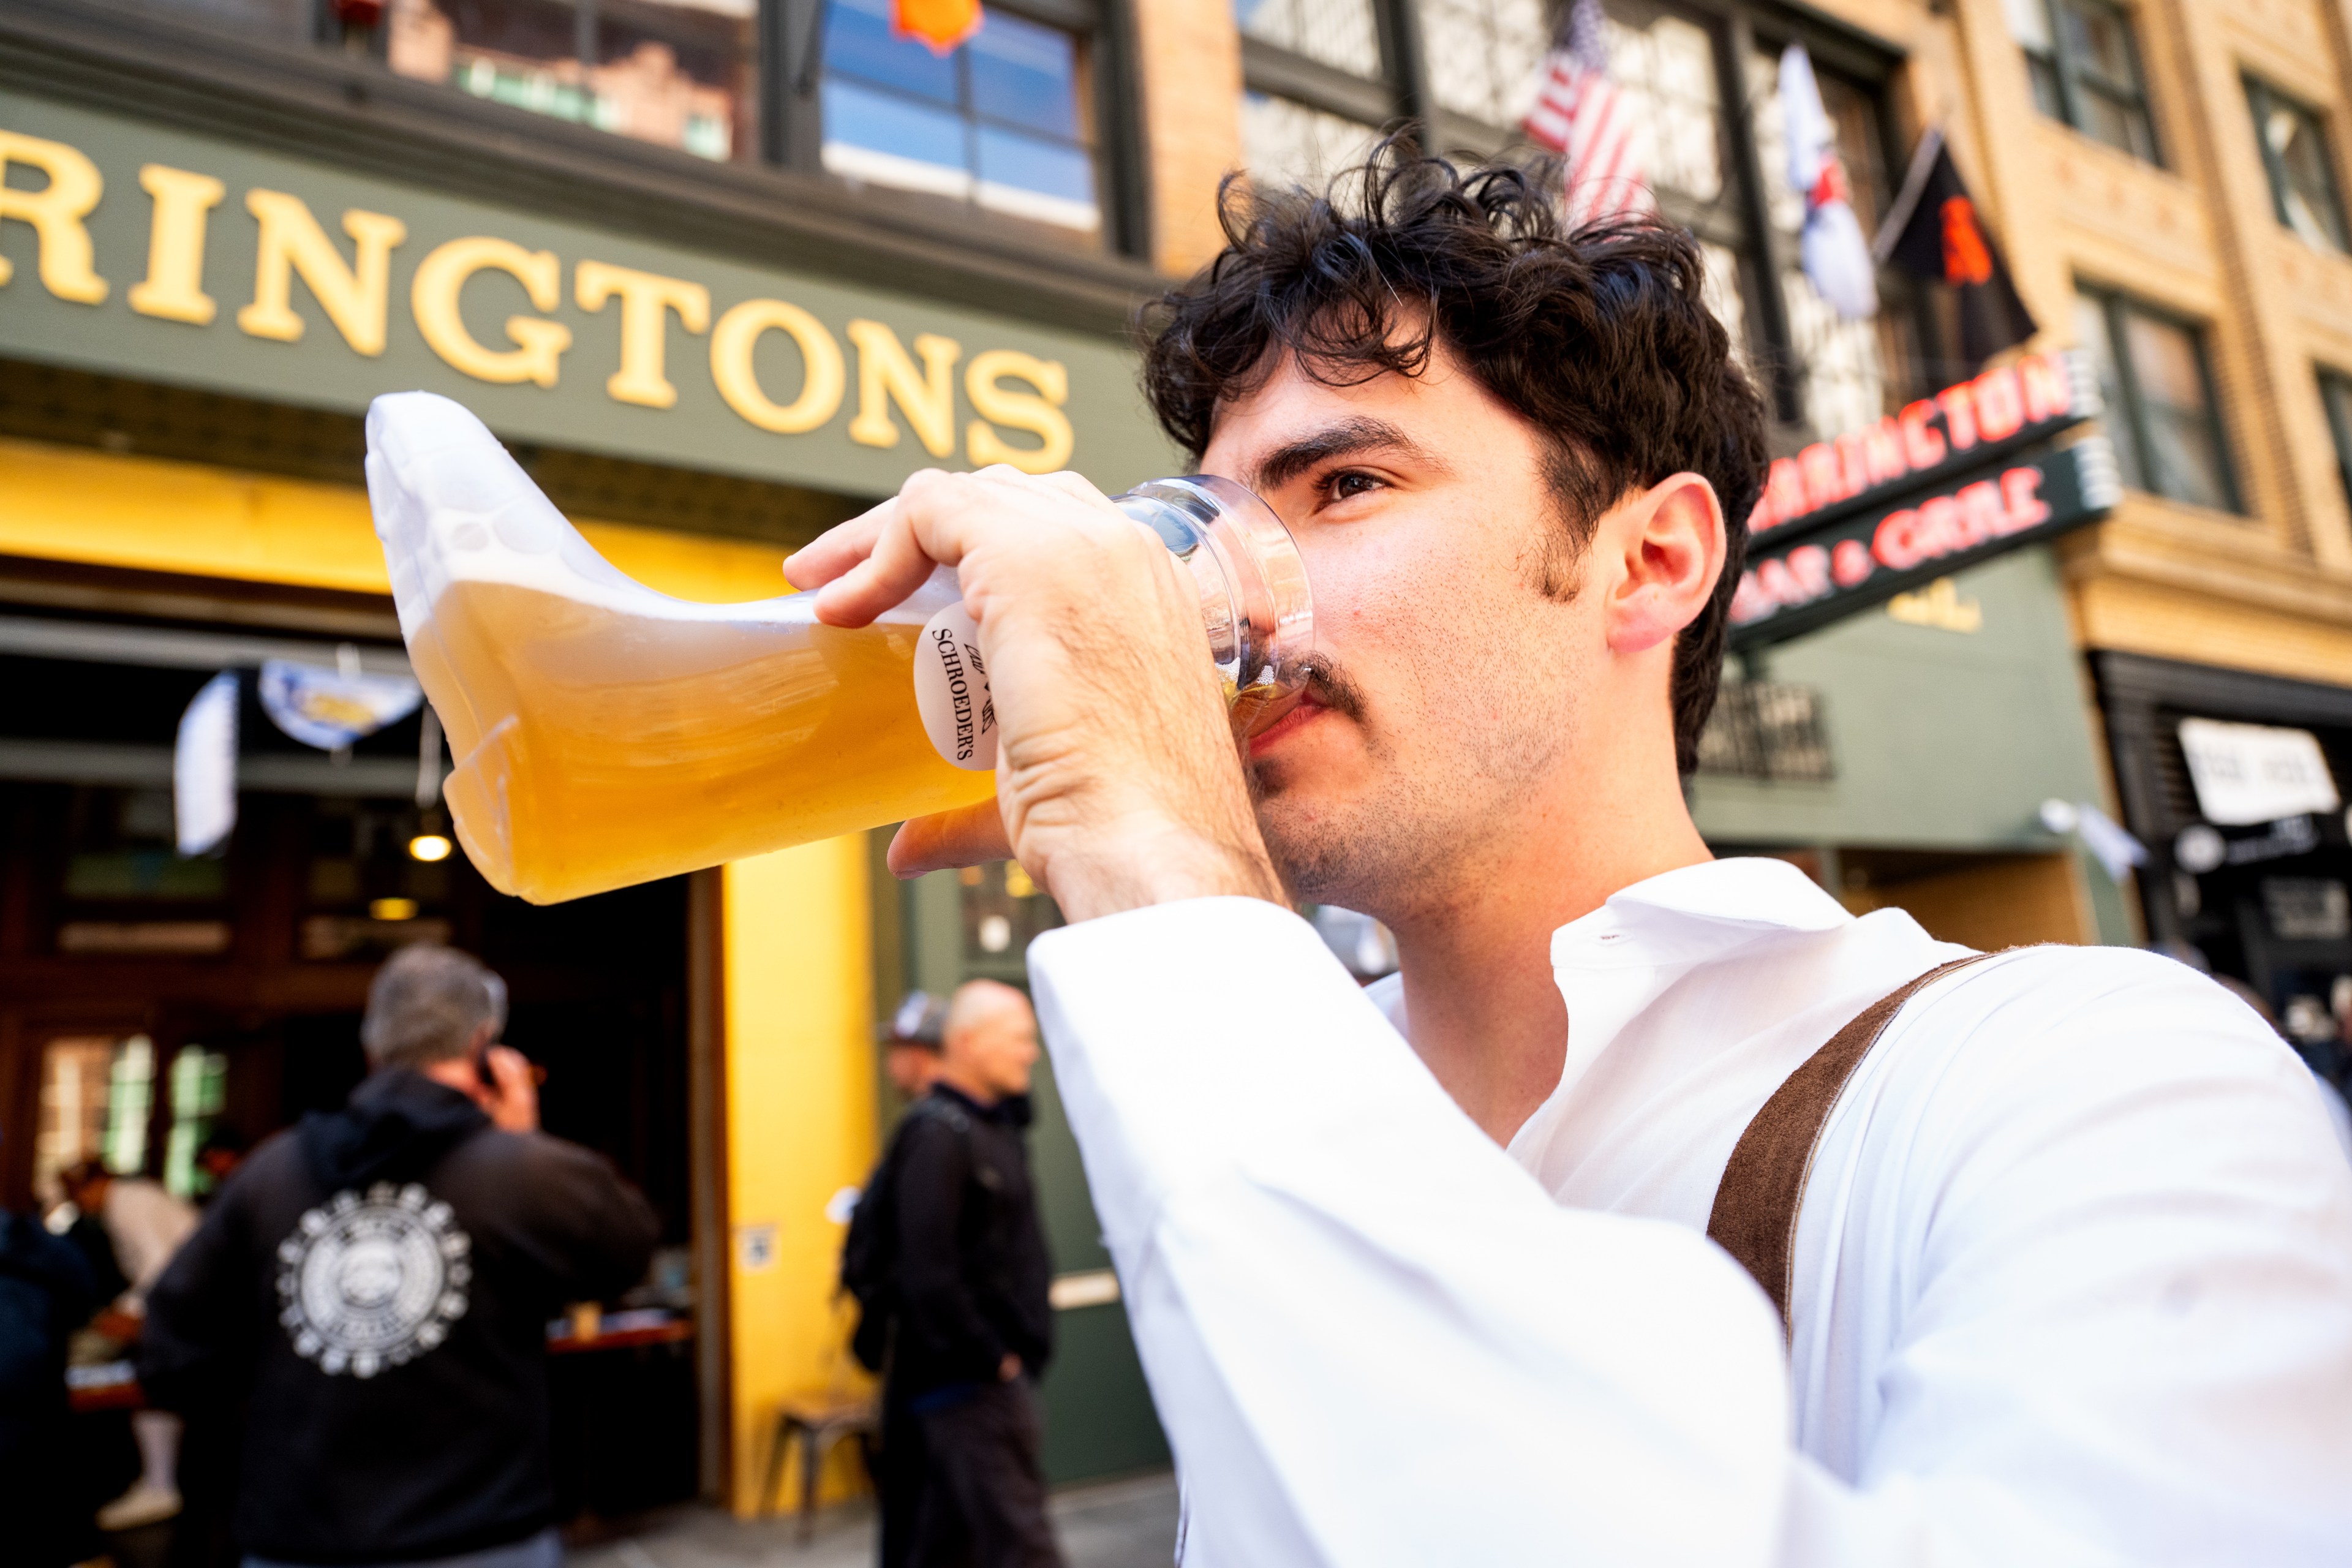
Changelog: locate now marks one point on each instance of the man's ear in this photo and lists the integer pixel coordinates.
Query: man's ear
(1671, 539)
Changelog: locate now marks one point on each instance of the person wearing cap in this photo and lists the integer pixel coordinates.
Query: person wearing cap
(910, 1046)
(374, 1286)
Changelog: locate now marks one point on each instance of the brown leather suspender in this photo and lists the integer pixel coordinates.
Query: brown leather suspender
(1763, 1187)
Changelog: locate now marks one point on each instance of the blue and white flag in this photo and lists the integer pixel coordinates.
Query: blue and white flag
(329, 709)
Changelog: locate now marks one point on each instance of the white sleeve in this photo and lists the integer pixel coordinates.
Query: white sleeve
(1373, 1339)
(2112, 1241)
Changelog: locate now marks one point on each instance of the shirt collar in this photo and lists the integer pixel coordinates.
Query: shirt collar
(1695, 913)
(1612, 964)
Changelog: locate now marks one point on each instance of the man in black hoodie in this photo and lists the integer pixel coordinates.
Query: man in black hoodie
(374, 1288)
(962, 1484)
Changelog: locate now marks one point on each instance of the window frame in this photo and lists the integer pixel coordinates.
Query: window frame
(2261, 98)
(2068, 71)
(2114, 306)
(2335, 401)
(1739, 219)
(1389, 101)
(795, 138)
(786, 69)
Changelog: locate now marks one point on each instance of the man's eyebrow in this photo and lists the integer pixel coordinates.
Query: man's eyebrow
(1344, 438)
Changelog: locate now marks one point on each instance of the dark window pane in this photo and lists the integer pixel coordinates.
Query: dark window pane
(2046, 95)
(2336, 392)
(858, 41)
(2099, 40)
(2302, 183)
(2184, 454)
(1026, 74)
(2188, 463)
(2120, 122)
(2090, 330)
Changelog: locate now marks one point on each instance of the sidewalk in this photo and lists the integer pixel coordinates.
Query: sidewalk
(1116, 1524)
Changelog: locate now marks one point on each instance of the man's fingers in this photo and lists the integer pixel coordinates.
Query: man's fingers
(900, 558)
(838, 548)
(968, 835)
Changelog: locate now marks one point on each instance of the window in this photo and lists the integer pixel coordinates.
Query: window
(2336, 393)
(1322, 75)
(1318, 87)
(2294, 140)
(1844, 365)
(1341, 33)
(1288, 143)
(2162, 414)
(77, 1075)
(1485, 57)
(679, 73)
(2085, 70)
(199, 1092)
(1028, 117)
(1721, 178)
(1002, 122)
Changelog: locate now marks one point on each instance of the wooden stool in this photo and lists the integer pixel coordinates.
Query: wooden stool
(820, 1422)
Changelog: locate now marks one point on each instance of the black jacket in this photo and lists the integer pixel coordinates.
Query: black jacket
(375, 1285)
(972, 1270)
(46, 1293)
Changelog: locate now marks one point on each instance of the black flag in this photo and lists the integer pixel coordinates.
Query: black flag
(1933, 231)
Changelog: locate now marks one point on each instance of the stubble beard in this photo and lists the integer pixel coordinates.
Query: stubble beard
(1436, 823)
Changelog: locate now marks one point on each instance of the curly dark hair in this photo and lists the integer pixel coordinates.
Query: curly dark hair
(1598, 336)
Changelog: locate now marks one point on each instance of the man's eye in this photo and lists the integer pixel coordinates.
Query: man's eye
(1343, 485)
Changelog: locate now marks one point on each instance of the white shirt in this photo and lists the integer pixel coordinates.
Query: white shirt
(2073, 1281)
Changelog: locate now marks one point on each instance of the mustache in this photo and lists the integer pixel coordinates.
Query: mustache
(1332, 686)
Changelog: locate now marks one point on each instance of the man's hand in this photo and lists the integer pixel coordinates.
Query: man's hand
(513, 1104)
(1118, 783)
(1009, 1368)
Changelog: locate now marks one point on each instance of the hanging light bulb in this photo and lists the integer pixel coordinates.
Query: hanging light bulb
(431, 840)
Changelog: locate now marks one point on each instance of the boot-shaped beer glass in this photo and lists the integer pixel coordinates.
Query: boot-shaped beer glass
(607, 735)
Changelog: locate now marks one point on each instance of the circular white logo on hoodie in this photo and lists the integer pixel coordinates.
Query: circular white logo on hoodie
(365, 1283)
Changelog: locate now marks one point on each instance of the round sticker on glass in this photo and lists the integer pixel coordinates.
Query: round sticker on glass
(951, 690)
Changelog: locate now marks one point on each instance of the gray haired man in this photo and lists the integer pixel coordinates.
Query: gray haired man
(374, 1287)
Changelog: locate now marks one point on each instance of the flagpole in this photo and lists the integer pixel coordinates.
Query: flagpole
(1914, 181)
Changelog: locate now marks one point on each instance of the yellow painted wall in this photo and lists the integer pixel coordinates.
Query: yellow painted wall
(799, 1018)
(62, 503)
(798, 1006)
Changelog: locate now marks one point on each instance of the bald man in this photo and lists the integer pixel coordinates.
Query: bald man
(961, 1481)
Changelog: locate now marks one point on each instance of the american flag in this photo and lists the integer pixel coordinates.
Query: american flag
(1579, 115)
